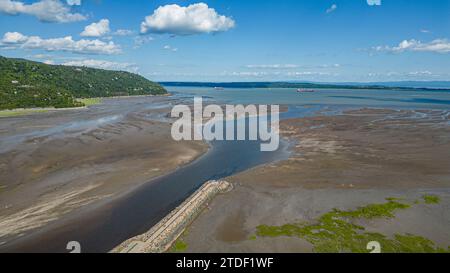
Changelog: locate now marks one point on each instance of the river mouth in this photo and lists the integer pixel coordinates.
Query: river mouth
(99, 229)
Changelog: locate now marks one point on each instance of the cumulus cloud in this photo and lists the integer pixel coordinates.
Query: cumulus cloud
(332, 8)
(437, 46)
(96, 29)
(14, 40)
(130, 67)
(193, 19)
(44, 10)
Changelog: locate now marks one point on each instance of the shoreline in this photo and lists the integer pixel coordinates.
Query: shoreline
(7, 113)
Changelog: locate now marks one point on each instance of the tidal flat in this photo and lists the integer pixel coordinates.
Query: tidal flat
(62, 164)
(358, 176)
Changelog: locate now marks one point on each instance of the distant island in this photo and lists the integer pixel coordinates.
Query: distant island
(29, 84)
(305, 85)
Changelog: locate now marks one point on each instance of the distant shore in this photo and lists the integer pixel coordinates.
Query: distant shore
(308, 85)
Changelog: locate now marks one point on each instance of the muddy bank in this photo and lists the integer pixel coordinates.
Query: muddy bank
(53, 164)
(345, 161)
(102, 225)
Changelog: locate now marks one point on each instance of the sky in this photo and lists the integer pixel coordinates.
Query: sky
(236, 40)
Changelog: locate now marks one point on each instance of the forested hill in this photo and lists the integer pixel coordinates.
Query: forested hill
(25, 84)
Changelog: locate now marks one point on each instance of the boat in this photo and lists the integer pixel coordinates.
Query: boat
(219, 88)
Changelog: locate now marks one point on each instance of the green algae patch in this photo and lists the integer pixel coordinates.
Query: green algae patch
(374, 210)
(335, 232)
(179, 246)
(431, 199)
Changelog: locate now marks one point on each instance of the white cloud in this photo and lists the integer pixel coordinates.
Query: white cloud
(306, 73)
(40, 56)
(275, 74)
(16, 40)
(290, 66)
(74, 2)
(49, 62)
(412, 75)
(130, 67)
(44, 10)
(420, 73)
(123, 32)
(141, 40)
(193, 19)
(437, 46)
(332, 8)
(96, 29)
(272, 66)
(168, 47)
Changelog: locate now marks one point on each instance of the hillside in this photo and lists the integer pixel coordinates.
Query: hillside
(25, 84)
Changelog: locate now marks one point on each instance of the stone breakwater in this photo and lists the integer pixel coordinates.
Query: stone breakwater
(160, 237)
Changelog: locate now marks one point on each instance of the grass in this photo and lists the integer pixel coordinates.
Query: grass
(20, 112)
(23, 112)
(90, 101)
(431, 199)
(335, 232)
(179, 246)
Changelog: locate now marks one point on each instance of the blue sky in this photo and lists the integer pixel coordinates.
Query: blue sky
(235, 40)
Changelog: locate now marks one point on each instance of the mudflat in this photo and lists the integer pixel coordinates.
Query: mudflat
(52, 164)
(347, 161)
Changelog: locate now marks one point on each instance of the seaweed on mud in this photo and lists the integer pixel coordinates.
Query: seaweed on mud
(431, 199)
(335, 231)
